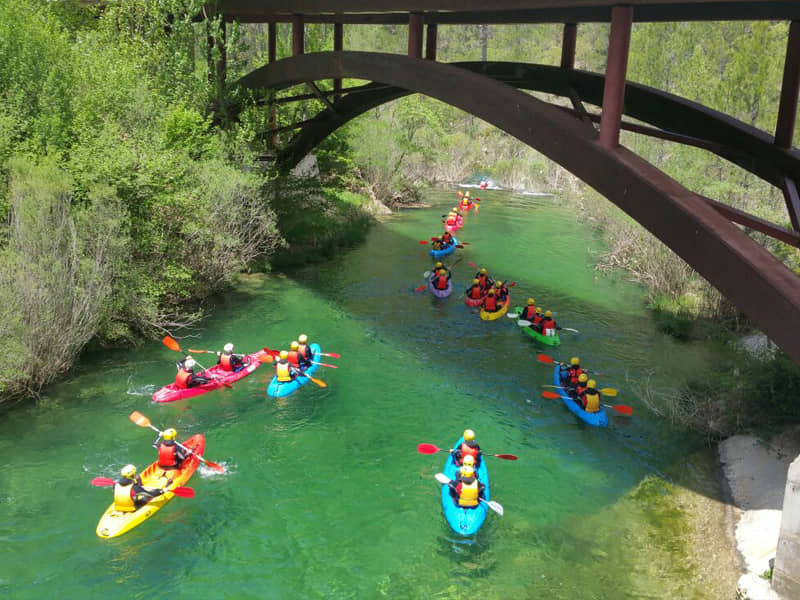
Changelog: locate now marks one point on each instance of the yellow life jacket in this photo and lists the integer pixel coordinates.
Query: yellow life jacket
(469, 494)
(282, 371)
(122, 498)
(592, 402)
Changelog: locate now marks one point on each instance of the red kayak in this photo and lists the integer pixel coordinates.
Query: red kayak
(473, 301)
(219, 376)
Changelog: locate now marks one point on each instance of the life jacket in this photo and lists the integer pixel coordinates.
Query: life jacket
(537, 319)
(166, 456)
(282, 371)
(528, 313)
(468, 495)
(304, 351)
(294, 358)
(548, 323)
(123, 496)
(592, 399)
(441, 282)
(475, 291)
(225, 362)
(573, 373)
(490, 303)
(447, 238)
(482, 280)
(466, 449)
(182, 378)
(451, 221)
(579, 391)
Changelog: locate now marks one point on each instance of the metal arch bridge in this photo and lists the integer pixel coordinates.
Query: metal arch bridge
(700, 230)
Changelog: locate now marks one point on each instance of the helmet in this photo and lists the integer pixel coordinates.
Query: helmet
(455, 208)
(302, 338)
(530, 302)
(483, 271)
(169, 434)
(583, 377)
(548, 314)
(498, 284)
(442, 272)
(228, 348)
(294, 345)
(591, 383)
(467, 471)
(538, 309)
(284, 355)
(128, 471)
(469, 435)
(469, 460)
(491, 292)
(575, 361)
(439, 265)
(189, 363)
(476, 281)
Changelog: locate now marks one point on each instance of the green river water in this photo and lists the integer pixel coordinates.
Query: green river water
(325, 495)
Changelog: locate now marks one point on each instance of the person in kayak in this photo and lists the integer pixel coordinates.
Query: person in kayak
(590, 397)
(186, 377)
(549, 325)
(475, 291)
(574, 371)
(304, 349)
(468, 491)
(469, 461)
(130, 494)
(529, 312)
(536, 322)
(501, 291)
(230, 361)
(284, 370)
(295, 358)
(441, 279)
(490, 302)
(469, 447)
(446, 239)
(483, 277)
(578, 389)
(171, 455)
(451, 220)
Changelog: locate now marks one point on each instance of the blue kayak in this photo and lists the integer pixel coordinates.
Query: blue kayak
(464, 521)
(278, 390)
(598, 419)
(449, 250)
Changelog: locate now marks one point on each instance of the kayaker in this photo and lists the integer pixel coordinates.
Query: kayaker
(574, 371)
(469, 447)
(501, 291)
(579, 388)
(294, 356)
(284, 371)
(468, 491)
(230, 361)
(529, 312)
(590, 398)
(536, 323)
(549, 325)
(186, 377)
(475, 291)
(469, 461)
(304, 350)
(441, 279)
(451, 220)
(490, 302)
(483, 277)
(130, 494)
(447, 239)
(170, 454)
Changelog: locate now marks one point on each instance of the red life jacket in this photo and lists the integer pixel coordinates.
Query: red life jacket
(294, 358)
(482, 280)
(441, 282)
(166, 456)
(447, 237)
(182, 379)
(537, 319)
(573, 373)
(528, 313)
(490, 303)
(225, 362)
(468, 450)
(548, 323)
(475, 291)
(451, 221)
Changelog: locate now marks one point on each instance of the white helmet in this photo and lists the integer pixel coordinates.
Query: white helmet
(189, 363)
(228, 348)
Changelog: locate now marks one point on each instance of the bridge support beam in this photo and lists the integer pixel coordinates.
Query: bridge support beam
(298, 35)
(787, 110)
(568, 43)
(415, 22)
(430, 41)
(786, 574)
(619, 40)
(272, 36)
(338, 46)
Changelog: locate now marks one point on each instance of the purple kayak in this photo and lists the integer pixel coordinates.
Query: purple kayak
(441, 293)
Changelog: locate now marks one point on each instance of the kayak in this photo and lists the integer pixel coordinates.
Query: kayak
(473, 301)
(598, 419)
(464, 521)
(449, 250)
(114, 523)
(550, 340)
(440, 293)
(491, 316)
(171, 392)
(465, 207)
(279, 390)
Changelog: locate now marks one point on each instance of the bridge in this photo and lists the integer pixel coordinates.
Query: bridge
(708, 234)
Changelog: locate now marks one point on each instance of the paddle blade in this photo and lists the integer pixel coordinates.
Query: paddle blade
(512, 284)
(331, 354)
(506, 456)
(551, 395)
(319, 382)
(423, 241)
(183, 492)
(496, 507)
(512, 315)
(459, 245)
(102, 481)
(524, 323)
(421, 288)
(543, 358)
(427, 449)
(171, 344)
(193, 351)
(326, 365)
(623, 409)
(442, 478)
(570, 329)
(263, 358)
(608, 392)
(214, 466)
(472, 264)
(139, 419)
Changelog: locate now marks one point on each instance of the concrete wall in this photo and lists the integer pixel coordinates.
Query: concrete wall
(786, 575)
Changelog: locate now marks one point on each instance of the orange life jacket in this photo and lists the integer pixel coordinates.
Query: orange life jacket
(475, 291)
(490, 303)
(441, 282)
(225, 362)
(528, 313)
(451, 221)
(466, 449)
(294, 358)
(166, 456)
(182, 378)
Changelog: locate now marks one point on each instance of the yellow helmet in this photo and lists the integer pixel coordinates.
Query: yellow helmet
(530, 302)
(548, 314)
(491, 292)
(442, 272)
(538, 309)
(583, 377)
(574, 361)
(591, 383)
(469, 435)
(284, 355)
(455, 209)
(439, 265)
(303, 338)
(476, 281)
(294, 345)
(169, 434)
(483, 271)
(467, 471)
(498, 284)
(467, 194)
(128, 471)
(469, 460)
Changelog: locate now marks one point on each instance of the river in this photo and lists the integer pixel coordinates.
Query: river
(325, 495)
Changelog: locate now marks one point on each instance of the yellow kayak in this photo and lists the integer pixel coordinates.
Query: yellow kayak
(491, 316)
(114, 523)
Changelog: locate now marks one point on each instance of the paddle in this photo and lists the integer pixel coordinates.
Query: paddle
(495, 506)
(431, 449)
(172, 344)
(193, 351)
(543, 358)
(331, 354)
(472, 264)
(139, 419)
(183, 492)
(570, 329)
(622, 409)
(611, 392)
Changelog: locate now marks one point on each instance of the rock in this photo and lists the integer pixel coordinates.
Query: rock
(307, 168)
(753, 587)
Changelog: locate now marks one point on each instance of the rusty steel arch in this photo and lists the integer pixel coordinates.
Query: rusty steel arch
(761, 286)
